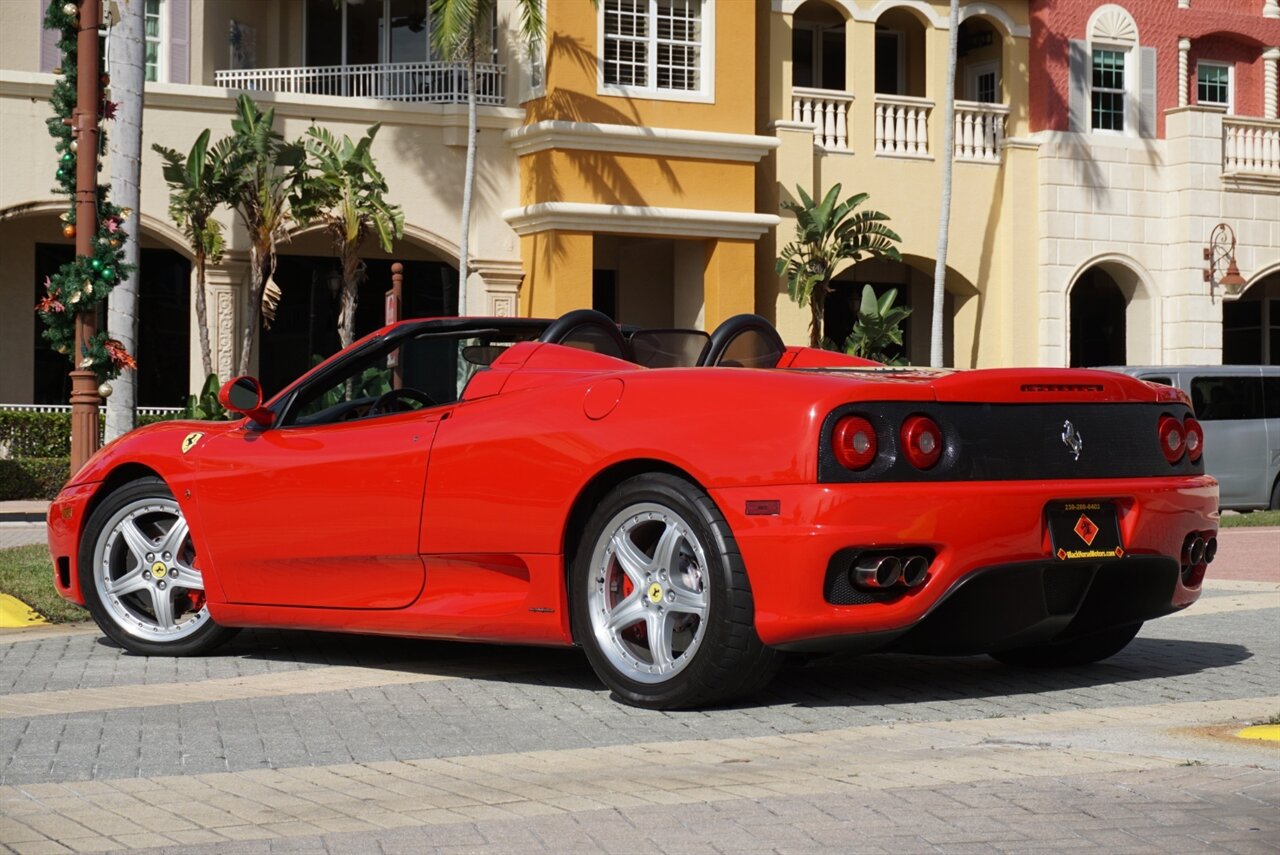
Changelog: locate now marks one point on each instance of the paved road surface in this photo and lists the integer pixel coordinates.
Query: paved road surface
(310, 742)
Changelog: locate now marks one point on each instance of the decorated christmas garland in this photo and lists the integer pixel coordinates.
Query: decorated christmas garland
(80, 285)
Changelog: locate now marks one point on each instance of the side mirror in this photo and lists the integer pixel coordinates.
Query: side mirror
(243, 395)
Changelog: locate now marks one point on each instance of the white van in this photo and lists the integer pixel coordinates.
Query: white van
(1239, 408)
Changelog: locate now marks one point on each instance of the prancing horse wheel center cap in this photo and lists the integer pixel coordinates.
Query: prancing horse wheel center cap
(159, 570)
(655, 593)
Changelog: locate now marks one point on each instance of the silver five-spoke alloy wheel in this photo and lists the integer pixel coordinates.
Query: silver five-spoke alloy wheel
(144, 572)
(649, 596)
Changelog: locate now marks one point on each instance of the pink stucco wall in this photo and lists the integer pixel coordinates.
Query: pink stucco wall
(1227, 30)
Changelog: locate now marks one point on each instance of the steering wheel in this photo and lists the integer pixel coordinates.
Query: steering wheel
(402, 397)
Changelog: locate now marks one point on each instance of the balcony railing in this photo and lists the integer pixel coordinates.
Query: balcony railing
(1251, 147)
(431, 82)
(902, 126)
(827, 111)
(979, 131)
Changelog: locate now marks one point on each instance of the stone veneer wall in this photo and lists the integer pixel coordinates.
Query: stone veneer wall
(1143, 209)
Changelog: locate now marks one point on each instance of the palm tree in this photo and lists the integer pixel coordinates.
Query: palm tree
(127, 72)
(458, 30)
(198, 184)
(944, 215)
(262, 167)
(827, 233)
(341, 187)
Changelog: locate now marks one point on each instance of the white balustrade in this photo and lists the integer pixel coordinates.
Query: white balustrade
(66, 408)
(438, 82)
(979, 131)
(1251, 147)
(827, 112)
(902, 126)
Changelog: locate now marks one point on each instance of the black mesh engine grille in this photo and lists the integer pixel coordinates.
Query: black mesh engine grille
(1015, 442)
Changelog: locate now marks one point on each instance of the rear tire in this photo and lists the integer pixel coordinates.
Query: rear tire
(660, 599)
(1078, 651)
(138, 575)
(1275, 495)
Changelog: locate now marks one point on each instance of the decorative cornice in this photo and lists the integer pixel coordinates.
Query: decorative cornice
(638, 220)
(631, 139)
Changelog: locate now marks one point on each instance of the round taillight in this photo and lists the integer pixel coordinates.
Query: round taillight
(854, 442)
(1172, 442)
(1194, 438)
(921, 441)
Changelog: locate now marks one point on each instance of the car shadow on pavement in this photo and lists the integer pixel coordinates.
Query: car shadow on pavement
(835, 680)
(899, 678)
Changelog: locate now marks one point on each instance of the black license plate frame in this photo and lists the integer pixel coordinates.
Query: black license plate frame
(1084, 530)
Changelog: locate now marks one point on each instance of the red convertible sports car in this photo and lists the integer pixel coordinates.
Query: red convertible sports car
(686, 508)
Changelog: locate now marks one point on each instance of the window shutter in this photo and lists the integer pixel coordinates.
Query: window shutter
(48, 41)
(1147, 101)
(1078, 70)
(179, 39)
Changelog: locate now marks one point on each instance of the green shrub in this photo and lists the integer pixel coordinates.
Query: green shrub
(27, 434)
(33, 477)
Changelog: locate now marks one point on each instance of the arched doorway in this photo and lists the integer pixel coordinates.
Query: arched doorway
(305, 330)
(1098, 328)
(1251, 324)
(818, 47)
(900, 54)
(978, 73)
(34, 373)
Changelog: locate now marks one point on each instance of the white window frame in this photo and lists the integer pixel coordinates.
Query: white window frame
(706, 74)
(532, 91)
(162, 44)
(992, 67)
(1231, 84)
(1132, 95)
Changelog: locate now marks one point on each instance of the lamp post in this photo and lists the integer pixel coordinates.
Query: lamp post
(84, 382)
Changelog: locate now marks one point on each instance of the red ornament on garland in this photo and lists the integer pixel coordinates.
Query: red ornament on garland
(69, 230)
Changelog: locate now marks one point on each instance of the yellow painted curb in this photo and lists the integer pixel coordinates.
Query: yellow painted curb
(1270, 732)
(14, 613)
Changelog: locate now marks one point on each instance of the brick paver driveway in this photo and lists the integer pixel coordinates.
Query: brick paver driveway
(306, 742)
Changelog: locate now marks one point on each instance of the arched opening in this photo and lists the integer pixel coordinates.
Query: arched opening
(34, 373)
(1113, 316)
(1251, 324)
(818, 47)
(309, 274)
(979, 72)
(900, 54)
(913, 278)
(1098, 333)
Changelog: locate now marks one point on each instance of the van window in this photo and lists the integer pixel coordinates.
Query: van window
(1150, 378)
(1271, 396)
(1223, 398)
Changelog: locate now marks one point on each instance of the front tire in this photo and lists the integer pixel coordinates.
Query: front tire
(660, 599)
(1079, 651)
(138, 575)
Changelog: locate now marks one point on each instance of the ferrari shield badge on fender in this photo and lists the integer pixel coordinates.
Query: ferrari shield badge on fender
(190, 440)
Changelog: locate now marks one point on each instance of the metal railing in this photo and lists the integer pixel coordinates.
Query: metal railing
(827, 111)
(424, 82)
(1251, 147)
(902, 126)
(979, 131)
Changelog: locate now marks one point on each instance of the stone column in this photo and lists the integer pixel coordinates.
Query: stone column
(225, 287)
(727, 280)
(558, 267)
(1270, 59)
(1184, 45)
(501, 280)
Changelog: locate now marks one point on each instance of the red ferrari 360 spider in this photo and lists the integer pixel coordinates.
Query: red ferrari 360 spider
(684, 507)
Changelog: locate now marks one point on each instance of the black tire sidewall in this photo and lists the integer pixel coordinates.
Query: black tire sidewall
(203, 639)
(697, 679)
